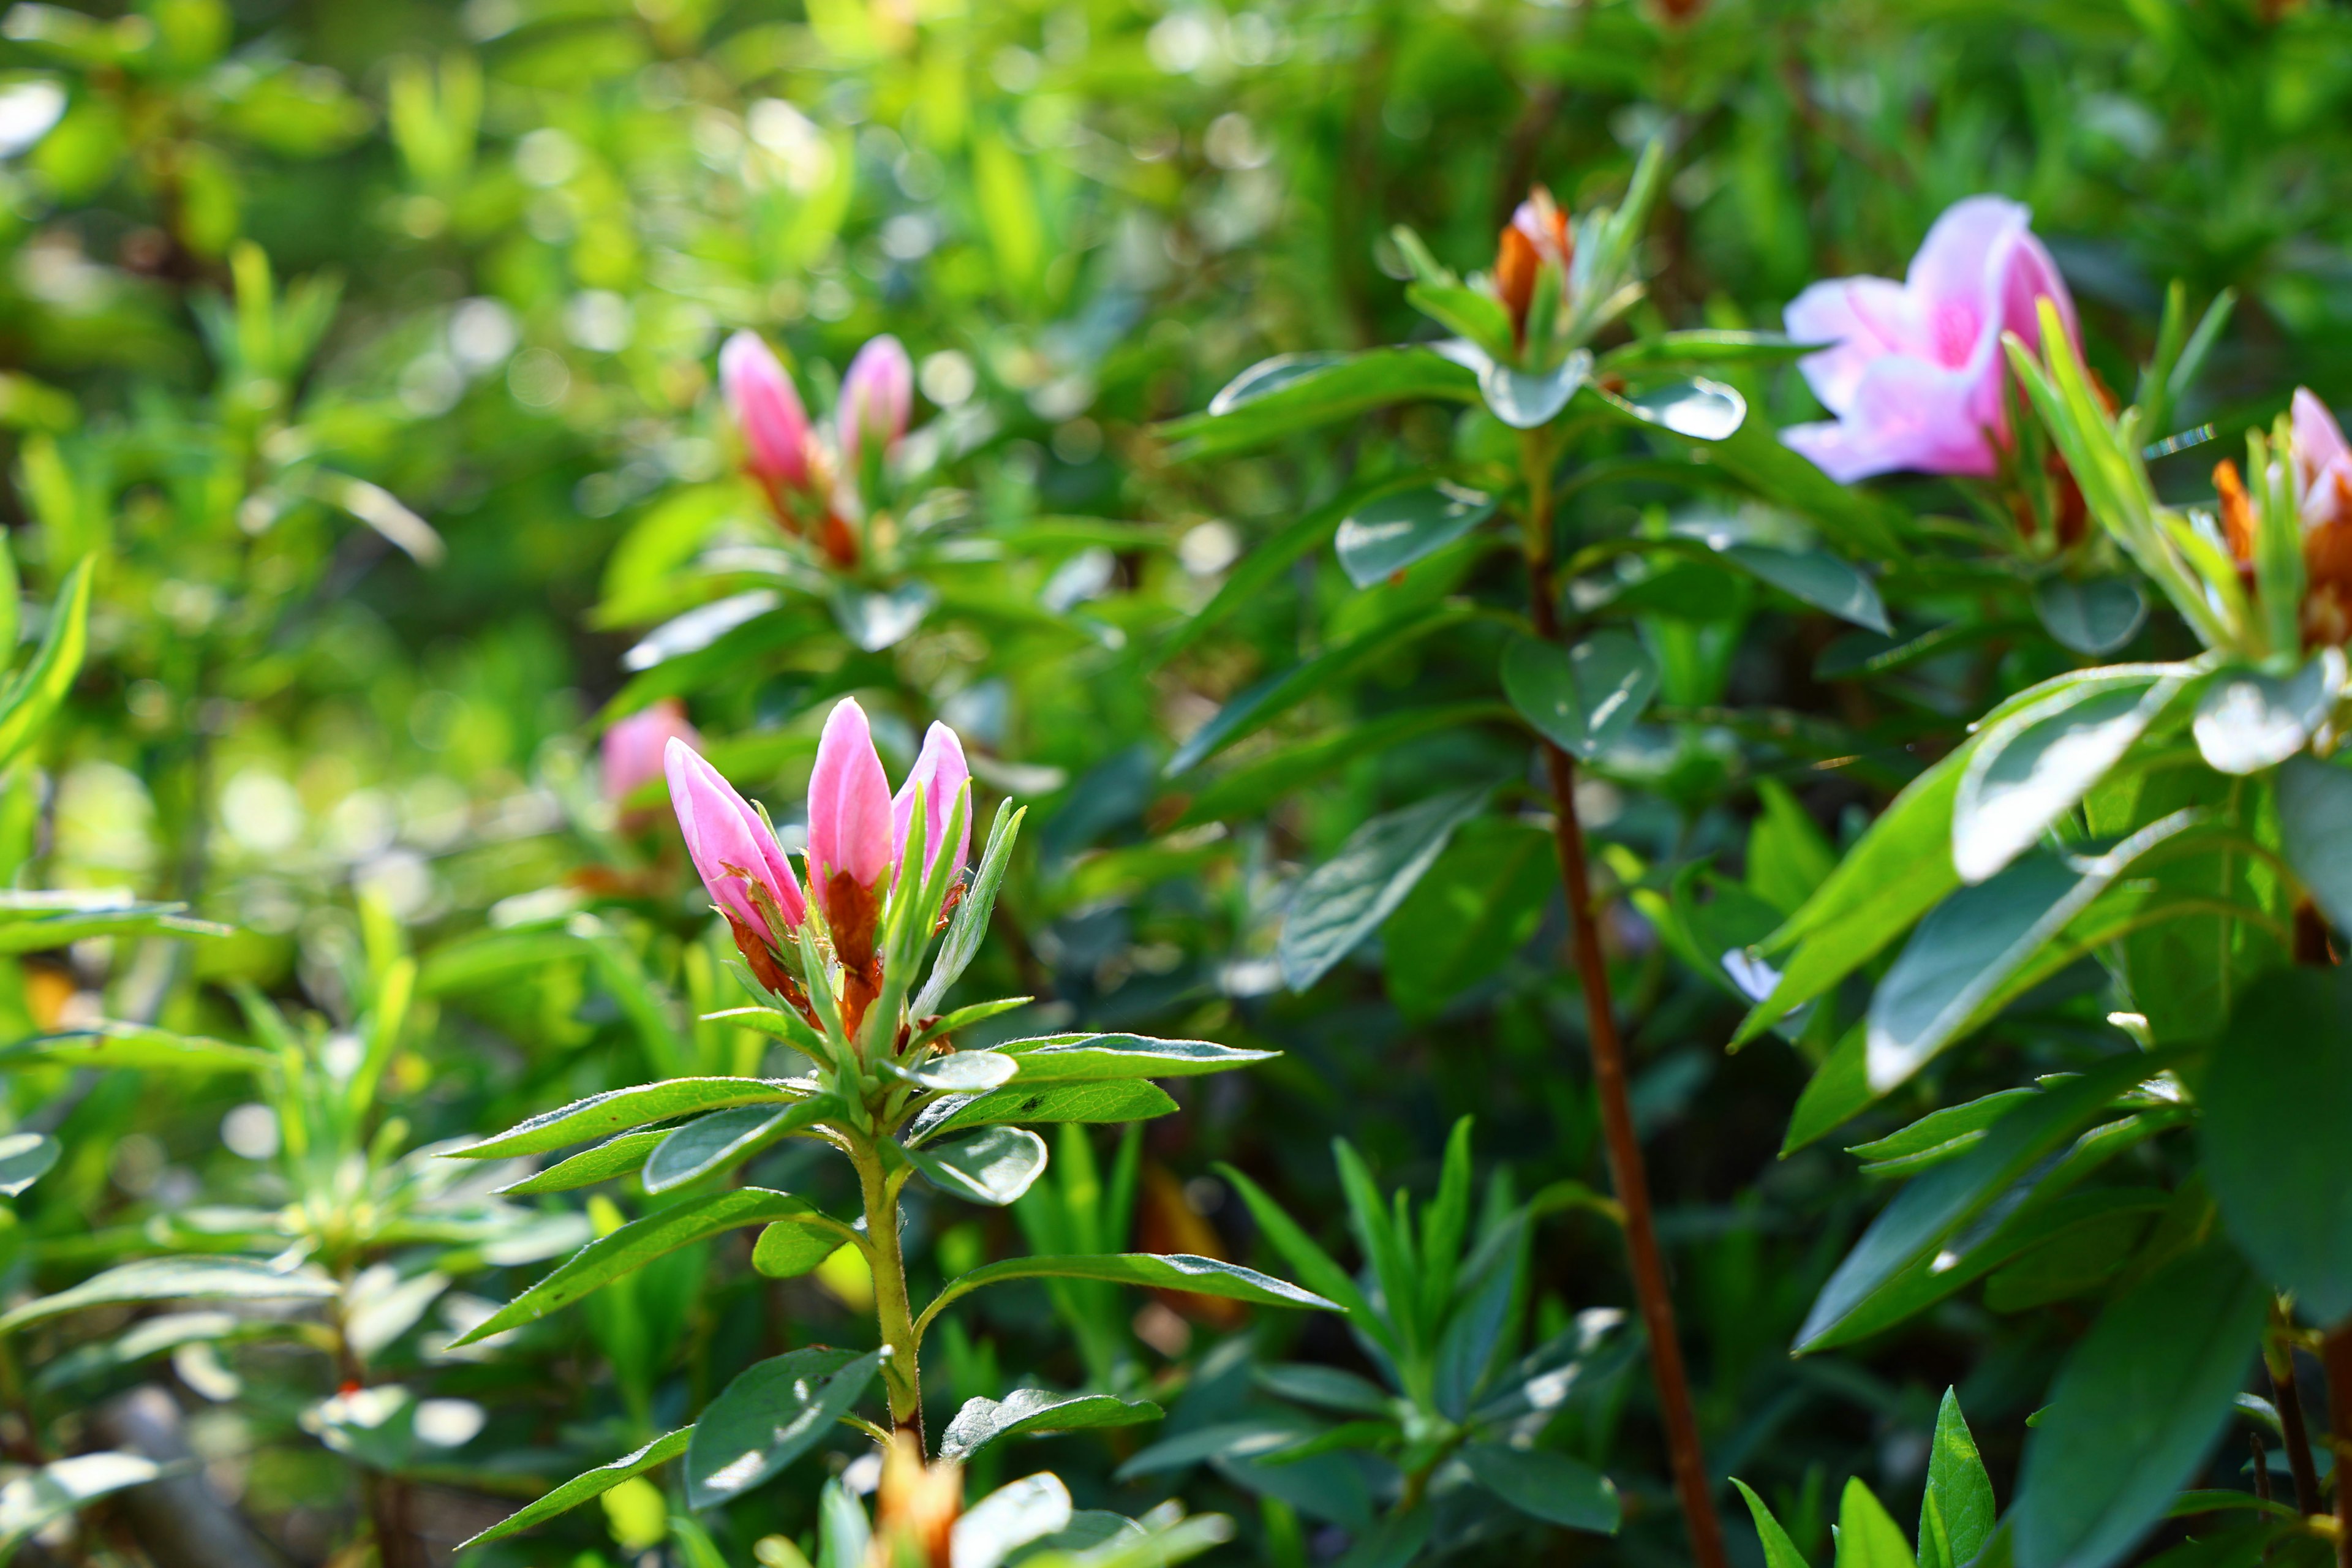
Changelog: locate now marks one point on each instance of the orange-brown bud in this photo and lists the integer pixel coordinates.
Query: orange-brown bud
(852, 912)
(2237, 511)
(915, 1508)
(2328, 571)
(1538, 232)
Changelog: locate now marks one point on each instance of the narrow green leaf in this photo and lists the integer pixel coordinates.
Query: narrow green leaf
(1173, 1271)
(173, 1279)
(1958, 1491)
(2033, 767)
(621, 1156)
(134, 1046)
(1547, 1485)
(774, 1411)
(1280, 396)
(1779, 1551)
(1121, 1100)
(1868, 1536)
(25, 1158)
(579, 1488)
(982, 1421)
(619, 1110)
(34, 696)
(1344, 900)
(723, 1138)
(1075, 1058)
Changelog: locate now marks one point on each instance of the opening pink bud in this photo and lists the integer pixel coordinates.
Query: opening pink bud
(849, 808)
(878, 396)
(731, 847)
(1915, 370)
(2323, 462)
(941, 772)
(768, 409)
(634, 750)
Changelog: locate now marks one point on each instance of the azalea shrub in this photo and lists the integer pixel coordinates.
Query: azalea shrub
(899, 785)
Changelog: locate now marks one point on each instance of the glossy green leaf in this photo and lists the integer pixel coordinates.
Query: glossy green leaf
(24, 1158)
(774, 1411)
(2031, 768)
(634, 1245)
(2314, 808)
(1075, 1058)
(1476, 907)
(1697, 410)
(1779, 1551)
(583, 1488)
(1528, 400)
(619, 1110)
(2135, 1411)
(789, 1249)
(1390, 532)
(1280, 396)
(1868, 1535)
(1838, 1091)
(1326, 1388)
(1548, 1485)
(1344, 900)
(1702, 347)
(2248, 720)
(1818, 579)
(982, 1421)
(173, 1279)
(32, 699)
(1115, 1099)
(1958, 1496)
(995, 1168)
(1172, 1272)
(969, 921)
(1938, 1135)
(1583, 699)
(134, 1046)
(2277, 1127)
(35, 1500)
(2097, 616)
(621, 1156)
(723, 1138)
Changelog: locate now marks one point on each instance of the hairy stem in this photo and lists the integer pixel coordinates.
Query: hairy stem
(1627, 1173)
(2278, 1361)
(892, 1310)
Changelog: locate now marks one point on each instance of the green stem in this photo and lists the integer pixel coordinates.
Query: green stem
(892, 1310)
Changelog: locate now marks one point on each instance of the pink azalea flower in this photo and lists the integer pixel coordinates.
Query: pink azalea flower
(633, 750)
(877, 397)
(942, 773)
(849, 809)
(768, 409)
(1914, 377)
(730, 845)
(2323, 462)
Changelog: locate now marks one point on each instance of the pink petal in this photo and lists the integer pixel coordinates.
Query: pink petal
(2030, 276)
(942, 773)
(634, 749)
(849, 807)
(1959, 261)
(1865, 317)
(877, 397)
(727, 841)
(2320, 454)
(1908, 415)
(768, 408)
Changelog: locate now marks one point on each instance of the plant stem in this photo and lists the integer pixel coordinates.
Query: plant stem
(2278, 1361)
(2335, 1353)
(891, 1308)
(1627, 1173)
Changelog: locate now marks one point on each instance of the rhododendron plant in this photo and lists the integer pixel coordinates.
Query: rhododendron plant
(634, 750)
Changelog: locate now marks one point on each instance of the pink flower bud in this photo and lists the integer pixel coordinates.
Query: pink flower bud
(877, 396)
(775, 427)
(941, 772)
(2323, 462)
(1915, 372)
(848, 808)
(729, 845)
(636, 748)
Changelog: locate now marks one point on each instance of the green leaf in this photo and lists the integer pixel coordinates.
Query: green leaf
(790, 1248)
(24, 1158)
(1548, 1485)
(1530, 399)
(1583, 699)
(970, 922)
(1075, 1058)
(2277, 1124)
(1279, 397)
(1249, 787)
(1868, 1536)
(774, 1411)
(2314, 808)
(582, 1487)
(1172, 1272)
(725, 1138)
(1693, 350)
(1959, 1493)
(1320, 1271)
(1779, 1551)
(617, 1110)
(1326, 1388)
(621, 1156)
(1344, 900)
(634, 1245)
(2095, 617)
(1117, 1100)
(1838, 1091)
(995, 1168)
(1263, 567)
(41, 922)
(1929, 1210)
(1697, 410)
(1468, 312)
(1961, 962)
(1862, 523)
(33, 698)
(957, 1072)
(983, 1421)
(1938, 1135)
(2135, 1410)
(2247, 721)
(2036, 764)
(2084, 1253)
(173, 1279)
(134, 1046)
(38, 1498)
(1818, 578)
(1390, 532)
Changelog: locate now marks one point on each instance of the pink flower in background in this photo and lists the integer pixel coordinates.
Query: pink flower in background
(1914, 375)
(877, 397)
(768, 409)
(634, 748)
(849, 812)
(731, 845)
(942, 773)
(2323, 463)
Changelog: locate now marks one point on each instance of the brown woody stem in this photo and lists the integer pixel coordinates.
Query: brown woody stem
(2278, 1361)
(2335, 1353)
(1627, 1173)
